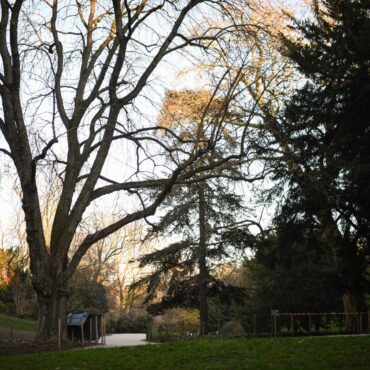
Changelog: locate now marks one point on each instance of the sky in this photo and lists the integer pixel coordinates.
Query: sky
(167, 77)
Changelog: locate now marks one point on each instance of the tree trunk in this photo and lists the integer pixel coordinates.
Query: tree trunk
(353, 303)
(51, 293)
(347, 264)
(51, 308)
(353, 295)
(203, 270)
(121, 296)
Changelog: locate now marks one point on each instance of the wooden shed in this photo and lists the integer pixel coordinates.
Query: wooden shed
(84, 326)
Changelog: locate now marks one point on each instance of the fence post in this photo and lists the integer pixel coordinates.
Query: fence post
(309, 322)
(292, 324)
(90, 327)
(254, 325)
(96, 330)
(59, 333)
(82, 334)
(274, 314)
(103, 330)
(150, 330)
(360, 322)
(11, 333)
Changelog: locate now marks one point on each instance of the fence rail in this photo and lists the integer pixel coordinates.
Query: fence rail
(316, 323)
(276, 324)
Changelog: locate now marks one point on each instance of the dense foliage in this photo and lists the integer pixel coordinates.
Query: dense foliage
(176, 266)
(317, 249)
(327, 125)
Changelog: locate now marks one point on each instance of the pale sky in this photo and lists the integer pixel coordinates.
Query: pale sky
(165, 77)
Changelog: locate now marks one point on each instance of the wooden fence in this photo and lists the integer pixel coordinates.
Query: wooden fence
(277, 324)
(319, 323)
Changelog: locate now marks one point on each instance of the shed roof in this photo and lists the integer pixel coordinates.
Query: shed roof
(77, 318)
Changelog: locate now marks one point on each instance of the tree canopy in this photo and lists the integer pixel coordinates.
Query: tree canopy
(70, 79)
(276, 101)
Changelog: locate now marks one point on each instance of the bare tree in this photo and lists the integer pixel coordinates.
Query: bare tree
(70, 75)
(126, 269)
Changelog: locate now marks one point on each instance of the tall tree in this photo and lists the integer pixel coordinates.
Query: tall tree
(313, 141)
(194, 212)
(327, 126)
(315, 146)
(70, 75)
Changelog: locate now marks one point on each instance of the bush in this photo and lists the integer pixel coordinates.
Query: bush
(164, 337)
(132, 322)
(233, 329)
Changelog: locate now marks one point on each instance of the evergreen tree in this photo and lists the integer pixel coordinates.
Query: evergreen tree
(195, 215)
(317, 147)
(199, 206)
(328, 120)
(325, 136)
(291, 270)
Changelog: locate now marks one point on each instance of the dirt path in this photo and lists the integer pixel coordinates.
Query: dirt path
(23, 342)
(5, 333)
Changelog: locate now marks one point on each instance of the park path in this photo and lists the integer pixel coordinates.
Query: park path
(123, 340)
(5, 333)
(113, 340)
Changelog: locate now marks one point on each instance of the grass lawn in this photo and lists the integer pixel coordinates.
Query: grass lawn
(6, 321)
(352, 353)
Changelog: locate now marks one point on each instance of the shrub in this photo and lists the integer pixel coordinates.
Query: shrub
(132, 322)
(233, 329)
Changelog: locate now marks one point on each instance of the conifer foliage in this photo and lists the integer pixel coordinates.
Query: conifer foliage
(317, 149)
(324, 134)
(178, 267)
(195, 210)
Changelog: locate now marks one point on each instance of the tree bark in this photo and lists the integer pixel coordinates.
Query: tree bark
(51, 309)
(51, 293)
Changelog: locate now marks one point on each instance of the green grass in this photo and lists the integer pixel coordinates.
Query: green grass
(352, 353)
(21, 324)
